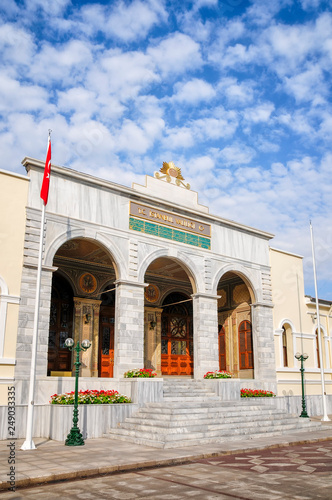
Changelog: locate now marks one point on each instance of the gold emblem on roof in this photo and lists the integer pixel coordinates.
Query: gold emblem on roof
(171, 171)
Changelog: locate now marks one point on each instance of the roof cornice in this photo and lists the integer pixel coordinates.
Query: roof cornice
(30, 163)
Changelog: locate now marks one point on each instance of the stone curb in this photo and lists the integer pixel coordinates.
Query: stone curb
(107, 470)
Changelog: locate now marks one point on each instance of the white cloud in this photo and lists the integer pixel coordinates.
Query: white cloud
(299, 122)
(262, 13)
(266, 146)
(193, 91)
(15, 96)
(16, 45)
(127, 22)
(65, 64)
(198, 4)
(308, 85)
(176, 54)
(55, 7)
(227, 32)
(237, 93)
(179, 137)
(212, 128)
(9, 8)
(237, 154)
(310, 4)
(191, 24)
(220, 124)
(138, 139)
(77, 99)
(122, 73)
(260, 113)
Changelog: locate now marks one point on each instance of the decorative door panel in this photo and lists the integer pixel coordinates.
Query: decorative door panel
(106, 342)
(222, 348)
(245, 346)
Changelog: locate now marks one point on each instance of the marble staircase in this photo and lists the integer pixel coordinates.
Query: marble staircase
(191, 415)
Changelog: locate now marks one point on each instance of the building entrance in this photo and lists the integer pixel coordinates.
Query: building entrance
(61, 326)
(235, 329)
(177, 336)
(106, 335)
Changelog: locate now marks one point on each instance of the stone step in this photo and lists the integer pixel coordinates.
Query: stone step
(200, 437)
(214, 427)
(193, 442)
(190, 392)
(201, 420)
(189, 399)
(191, 414)
(184, 394)
(181, 414)
(203, 407)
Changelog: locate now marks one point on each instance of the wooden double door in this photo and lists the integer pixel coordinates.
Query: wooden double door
(177, 343)
(106, 342)
(60, 327)
(246, 359)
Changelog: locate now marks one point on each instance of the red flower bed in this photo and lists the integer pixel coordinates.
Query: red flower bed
(256, 393)
(89, 397)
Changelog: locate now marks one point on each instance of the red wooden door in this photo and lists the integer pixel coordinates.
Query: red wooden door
(176, 341)
(106, 342)
(222, 348)
(245, 346)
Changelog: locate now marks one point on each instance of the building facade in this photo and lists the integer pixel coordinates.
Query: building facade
(296, 329)
(153, 280)
(13, 201)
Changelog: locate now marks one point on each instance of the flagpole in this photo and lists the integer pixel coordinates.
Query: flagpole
(28, 443)
(325, 416)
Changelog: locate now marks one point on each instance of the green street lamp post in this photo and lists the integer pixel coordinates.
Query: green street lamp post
(75, 437)
(302, 358)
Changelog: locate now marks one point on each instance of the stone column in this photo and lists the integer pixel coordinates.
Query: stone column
(86, 326)
(205, 309)
(152, 338)
(129, 327)
(26, 321)
(263, 342)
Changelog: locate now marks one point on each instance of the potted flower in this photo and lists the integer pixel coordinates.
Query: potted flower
(140, 373)
(90, 398)
(256, 393)
(218, 374)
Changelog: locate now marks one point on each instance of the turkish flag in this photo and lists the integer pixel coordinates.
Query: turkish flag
(47, 173)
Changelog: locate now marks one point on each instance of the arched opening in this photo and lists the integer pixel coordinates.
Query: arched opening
(235, 326)
(177, 343)
(284, 347)
(287, 346)
(61, 325)
(318, 357)
(80, 298)
(106, 334)
(168, 316)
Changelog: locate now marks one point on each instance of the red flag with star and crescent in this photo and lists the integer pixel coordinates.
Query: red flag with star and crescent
(47, 173)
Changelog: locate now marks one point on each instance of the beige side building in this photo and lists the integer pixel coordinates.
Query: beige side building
(13, 201)
(296, 330)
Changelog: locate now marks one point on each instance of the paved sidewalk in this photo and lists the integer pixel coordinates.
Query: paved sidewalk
(53, 461)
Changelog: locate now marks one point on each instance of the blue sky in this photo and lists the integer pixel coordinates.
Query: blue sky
(237, 93)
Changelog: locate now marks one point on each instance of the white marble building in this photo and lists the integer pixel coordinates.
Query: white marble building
(147, 274)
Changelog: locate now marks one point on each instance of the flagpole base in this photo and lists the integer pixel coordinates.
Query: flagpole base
(28, 445)
(325, 419)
